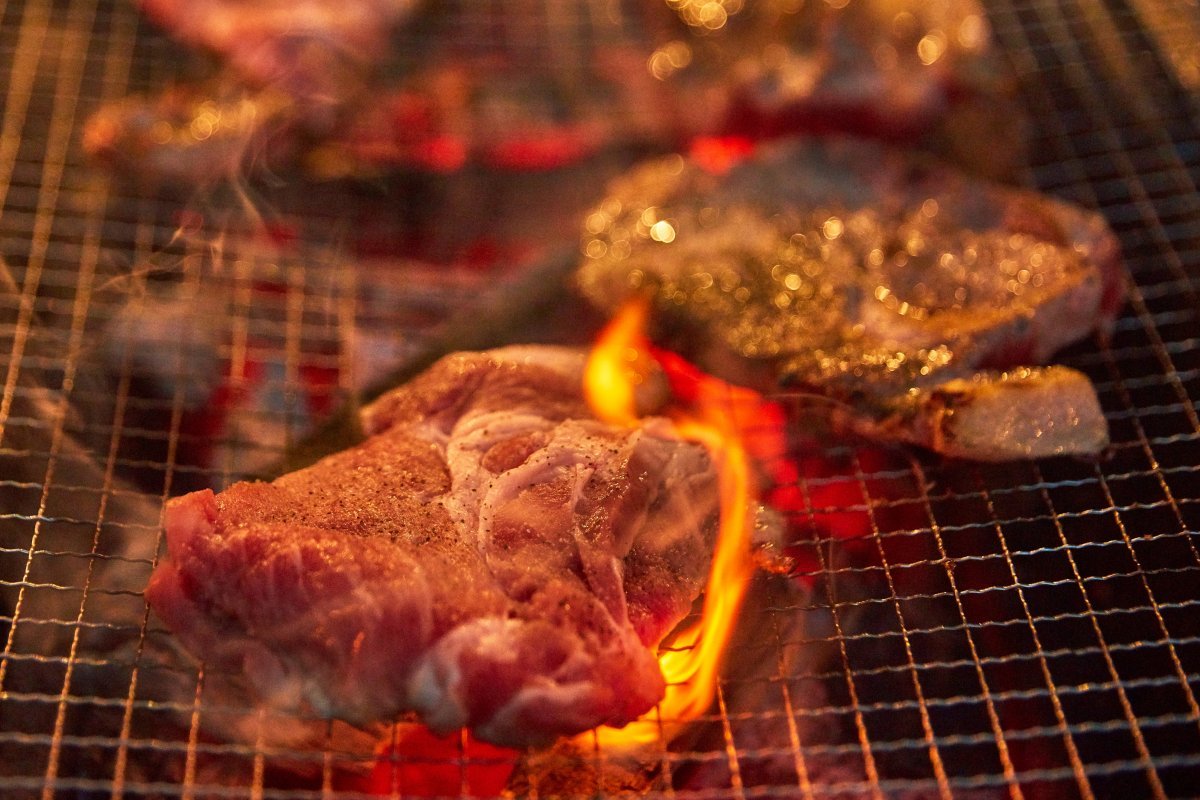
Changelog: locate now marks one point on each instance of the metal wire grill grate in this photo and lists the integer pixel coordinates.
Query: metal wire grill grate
(1027, 630)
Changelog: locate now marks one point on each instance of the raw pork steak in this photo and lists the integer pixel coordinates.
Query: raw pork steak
(491, 557)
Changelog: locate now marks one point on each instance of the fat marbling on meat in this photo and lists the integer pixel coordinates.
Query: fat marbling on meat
(491, 557)
(884, 282)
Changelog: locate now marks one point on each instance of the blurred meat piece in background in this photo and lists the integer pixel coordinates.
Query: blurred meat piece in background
(879, 281)
(194, 135)
(906, 71)
(318, 52)
(456, 86)
(499, 112)
(443, 118)
(548, 83)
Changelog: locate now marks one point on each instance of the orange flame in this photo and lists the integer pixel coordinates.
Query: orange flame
(616, 366)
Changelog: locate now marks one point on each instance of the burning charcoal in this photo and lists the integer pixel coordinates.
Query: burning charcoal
(776, 705)
(414, 762)
(570, 770)
(542, 88)
(784, 720)
(777, 725)
(51, 485)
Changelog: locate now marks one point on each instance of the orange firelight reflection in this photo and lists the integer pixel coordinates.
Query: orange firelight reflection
(618, 364)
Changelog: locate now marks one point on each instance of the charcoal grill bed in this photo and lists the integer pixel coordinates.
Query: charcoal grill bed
(950, 630)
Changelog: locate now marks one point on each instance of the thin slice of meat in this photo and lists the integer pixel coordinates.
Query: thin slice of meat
(491, 557)
(868, 276)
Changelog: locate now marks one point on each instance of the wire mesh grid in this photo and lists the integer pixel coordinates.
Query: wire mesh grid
(1026, 630)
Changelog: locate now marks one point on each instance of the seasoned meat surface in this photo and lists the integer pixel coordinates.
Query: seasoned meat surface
(861, 273)
(490, 557)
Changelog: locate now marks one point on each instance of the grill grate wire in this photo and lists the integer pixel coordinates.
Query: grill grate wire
(1024, 630)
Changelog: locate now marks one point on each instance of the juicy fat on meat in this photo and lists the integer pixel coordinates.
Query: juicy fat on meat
(491, 557)
(873, 278)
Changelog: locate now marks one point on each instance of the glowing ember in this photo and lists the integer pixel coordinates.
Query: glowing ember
(417, 763)
(618, 364)
(719, 154)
